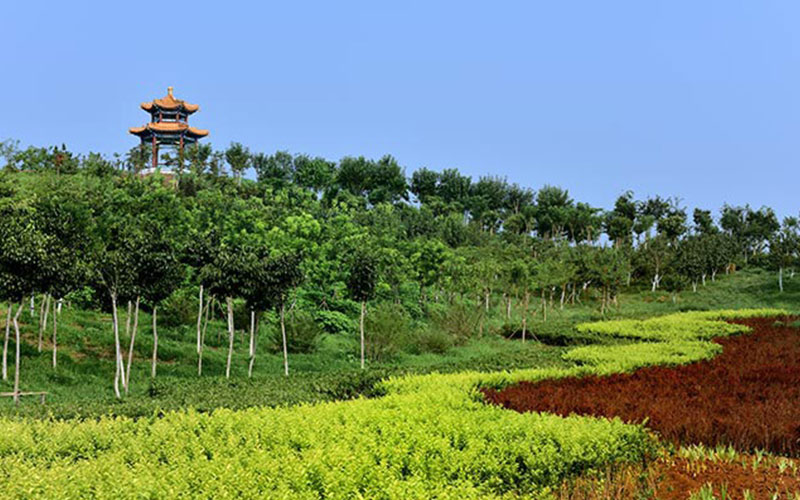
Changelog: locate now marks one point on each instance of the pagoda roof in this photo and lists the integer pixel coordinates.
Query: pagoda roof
(169, 102)
(168, 127)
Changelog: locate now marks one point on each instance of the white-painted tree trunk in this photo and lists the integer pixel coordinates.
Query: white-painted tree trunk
(229, 301)
(361, 328)
(544, 306)
(285, 343)
(16, 359)
(5, 341)
(694, 286)
(780, 278)
(203, 338)
(133, 339)
(155, 342)
(252, 343)
(120, 372)
(199, 317)
(44, 309)
(55, 335)
(525, 315)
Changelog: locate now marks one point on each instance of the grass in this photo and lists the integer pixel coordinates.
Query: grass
(81, 386)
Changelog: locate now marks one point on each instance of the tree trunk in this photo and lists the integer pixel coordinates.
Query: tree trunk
(155, 342)
(16, 359)
(252, 343)
(563, 295)
(285, 344)
(5, 342)
(199, 317)
(486, 299)
(55, 335)
(229, 301)
(703, 278)
(44, 309)
(508, 307)
(780, 278)
(203, 338)
(120, 372)
(525, 315)
(694, 286)
(361, 328)
(713, 275)
(544, 306)
(133, 339)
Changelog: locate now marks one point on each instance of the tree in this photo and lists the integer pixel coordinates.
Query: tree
(553, 207)
(238, 157)
(784, 247)
(66, 220)
(362, 279)
(690, 260)
(619, 222)
(703, 222)
(609, 267)
(424, 184)
(22, 269)
(274, 170)
(160, 273)
(267, 284)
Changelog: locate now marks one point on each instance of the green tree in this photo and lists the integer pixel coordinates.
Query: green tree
(239, 158)
(362, 279)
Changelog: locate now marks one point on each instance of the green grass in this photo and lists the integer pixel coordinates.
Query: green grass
(82, 384)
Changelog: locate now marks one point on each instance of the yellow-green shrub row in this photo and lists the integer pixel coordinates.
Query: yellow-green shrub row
(430, 436)
(695, 325)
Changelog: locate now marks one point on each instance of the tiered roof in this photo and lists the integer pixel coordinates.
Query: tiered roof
(169, 127)
(169, 103)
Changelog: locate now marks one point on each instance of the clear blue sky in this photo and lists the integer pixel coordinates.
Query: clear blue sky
(696, 99)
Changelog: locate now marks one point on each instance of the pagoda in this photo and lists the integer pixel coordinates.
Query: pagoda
(168, 129)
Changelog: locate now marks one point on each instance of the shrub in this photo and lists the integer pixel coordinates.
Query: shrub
(461, 321)
(335, 322)
(302, 333)
(388, 331)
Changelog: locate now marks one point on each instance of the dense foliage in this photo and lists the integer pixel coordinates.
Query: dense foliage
(319, 242)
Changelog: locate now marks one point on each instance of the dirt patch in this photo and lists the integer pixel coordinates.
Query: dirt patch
(747, 397)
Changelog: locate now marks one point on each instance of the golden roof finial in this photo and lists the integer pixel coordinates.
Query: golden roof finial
(169, 91)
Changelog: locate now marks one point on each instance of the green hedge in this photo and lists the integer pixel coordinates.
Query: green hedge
(429, 436)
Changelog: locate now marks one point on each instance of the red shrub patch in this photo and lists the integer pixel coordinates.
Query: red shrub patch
(747, 397)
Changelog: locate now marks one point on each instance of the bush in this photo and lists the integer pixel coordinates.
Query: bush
(302, 333)
(431, 340)
(388, 331)
(335, 322)
(179, 309)
(461, 321)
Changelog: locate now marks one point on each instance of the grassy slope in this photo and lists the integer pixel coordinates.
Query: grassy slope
(82, 383)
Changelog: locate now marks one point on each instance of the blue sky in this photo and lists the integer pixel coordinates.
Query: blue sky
(695, 99)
